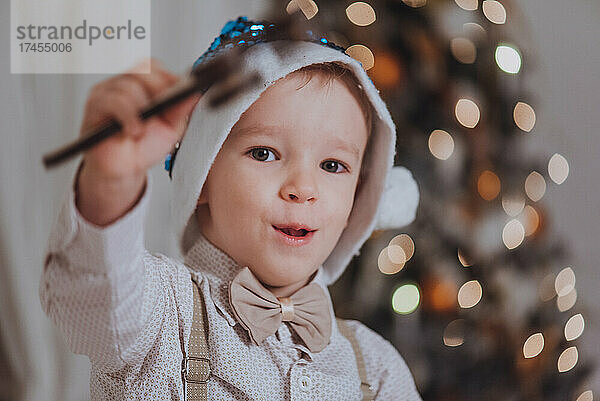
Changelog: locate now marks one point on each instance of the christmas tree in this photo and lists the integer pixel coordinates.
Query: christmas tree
(477, 293)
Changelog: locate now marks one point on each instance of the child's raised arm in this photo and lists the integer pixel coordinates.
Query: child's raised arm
(100, 286)
(114, 171)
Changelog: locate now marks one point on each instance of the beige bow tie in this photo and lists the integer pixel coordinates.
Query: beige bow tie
(261, 313)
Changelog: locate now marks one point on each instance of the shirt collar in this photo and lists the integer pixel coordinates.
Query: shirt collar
(219, 269)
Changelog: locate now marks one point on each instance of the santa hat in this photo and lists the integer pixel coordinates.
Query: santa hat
(387, 197)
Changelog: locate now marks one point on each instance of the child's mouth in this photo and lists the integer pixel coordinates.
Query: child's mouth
(295, 236)
(293, 232)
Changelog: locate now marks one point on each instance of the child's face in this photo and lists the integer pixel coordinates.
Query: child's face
(294, 157)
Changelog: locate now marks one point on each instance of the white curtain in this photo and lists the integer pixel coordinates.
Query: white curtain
(39, 114)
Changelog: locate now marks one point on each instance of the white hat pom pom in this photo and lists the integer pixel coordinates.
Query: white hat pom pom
(399, 201)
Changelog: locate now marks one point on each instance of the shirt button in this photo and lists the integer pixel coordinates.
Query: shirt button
(305, 383)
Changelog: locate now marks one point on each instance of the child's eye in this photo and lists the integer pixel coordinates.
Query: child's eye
(332, 166)
(261, 154)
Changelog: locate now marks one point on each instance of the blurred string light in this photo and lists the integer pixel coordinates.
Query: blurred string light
(513, 204)
(566, 302)
(568, 359)
(469, 5)
(524, 116)
(415, 3)
(564, 282)
(574, 327)
(463, 50)
(463, 260)
(441, 144)
(467, 113)
(535, 186)
(406, 299)
(454, 333)
(533, 346)
(406, 243)
(513, 234)
(494, 11)
(508, 58)
(586, 396)
(363, 54)
(308, 7)
(488, 185)
(361, 13)
(530, 220)
(558, 168)
(469, 294)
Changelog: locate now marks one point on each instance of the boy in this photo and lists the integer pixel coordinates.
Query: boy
(273, 195)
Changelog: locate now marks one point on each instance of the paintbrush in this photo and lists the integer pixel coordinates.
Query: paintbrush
(222, 70)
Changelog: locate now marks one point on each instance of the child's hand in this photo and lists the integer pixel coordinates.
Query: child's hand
(141, 144)
(114, 171)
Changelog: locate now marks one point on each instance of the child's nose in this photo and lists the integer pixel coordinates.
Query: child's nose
(299, 187)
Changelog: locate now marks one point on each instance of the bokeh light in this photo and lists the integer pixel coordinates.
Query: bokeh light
(463, 259)
(467, 113)
(574, 327)
(508, 59)
(405, 299)
(454, 333)
(463, 50)
(524, 116)
(488, 185)
(469, 294)
(568, 359)
(533, 345)
(396, 254)
(513, 204)
(530, 220)
(388, 72)
(469, 5)
(513, 234)
(360, 13)
(441, 144)
(558, 168)
(415, 3)
(564, 282)
(362, 54)
(441, 294)
(546, 289)
(535, 186)
(407, 244)
(474, 31)
(566, 302)
(494, 11)
(586, 396)
(308, 7)
(385, 263)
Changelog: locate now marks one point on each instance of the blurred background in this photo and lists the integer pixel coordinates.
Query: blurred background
(490, 293)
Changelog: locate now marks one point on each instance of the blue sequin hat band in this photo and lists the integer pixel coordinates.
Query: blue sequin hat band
(242, 32)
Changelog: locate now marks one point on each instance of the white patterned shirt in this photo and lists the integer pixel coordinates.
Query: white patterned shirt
(130, 311)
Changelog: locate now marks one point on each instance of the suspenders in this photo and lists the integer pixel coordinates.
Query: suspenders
(195, 367)
(196, 364)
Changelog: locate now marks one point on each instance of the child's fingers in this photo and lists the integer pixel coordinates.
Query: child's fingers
(177, 116)
(154, 83)
(134, 89)
(122, 108)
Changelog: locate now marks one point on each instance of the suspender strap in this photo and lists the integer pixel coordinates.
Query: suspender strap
(196, 364)
(366, 388)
